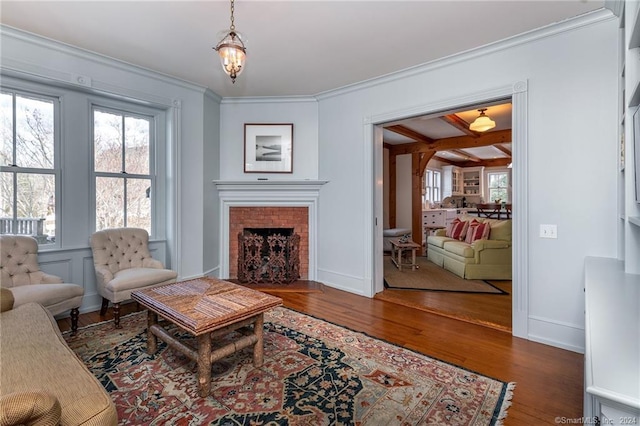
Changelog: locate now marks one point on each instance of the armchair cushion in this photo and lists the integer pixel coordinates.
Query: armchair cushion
(136, 278)
(58, 298)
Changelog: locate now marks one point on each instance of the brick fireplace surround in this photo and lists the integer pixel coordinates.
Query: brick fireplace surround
(269, 217)
(286, 203)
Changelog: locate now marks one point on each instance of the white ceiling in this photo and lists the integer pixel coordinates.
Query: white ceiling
(295, 47)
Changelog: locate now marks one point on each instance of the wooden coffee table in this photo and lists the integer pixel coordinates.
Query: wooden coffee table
(208, 308)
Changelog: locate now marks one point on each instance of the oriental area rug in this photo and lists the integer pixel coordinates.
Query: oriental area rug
(314, 373)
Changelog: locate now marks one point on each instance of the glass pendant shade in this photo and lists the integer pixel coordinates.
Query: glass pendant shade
(482, 123)
(232, 53)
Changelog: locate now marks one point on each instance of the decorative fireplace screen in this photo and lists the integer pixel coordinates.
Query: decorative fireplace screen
(268, 255)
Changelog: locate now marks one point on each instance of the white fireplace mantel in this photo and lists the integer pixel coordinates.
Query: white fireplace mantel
(272, 193)
(268, 185)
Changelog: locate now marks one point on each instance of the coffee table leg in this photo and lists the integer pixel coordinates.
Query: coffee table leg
(204, 364)
(152, 340)
(399, 250)
(413, 259)
(258, 347)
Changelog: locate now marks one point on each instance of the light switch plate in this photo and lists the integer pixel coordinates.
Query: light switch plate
(548, 231)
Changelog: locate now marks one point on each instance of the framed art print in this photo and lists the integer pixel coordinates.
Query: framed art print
(268, 148)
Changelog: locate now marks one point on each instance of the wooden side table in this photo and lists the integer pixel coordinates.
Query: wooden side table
(398, 249)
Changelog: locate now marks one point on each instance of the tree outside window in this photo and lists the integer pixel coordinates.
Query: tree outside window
(27, 165)
(498, 184)
(122, 169)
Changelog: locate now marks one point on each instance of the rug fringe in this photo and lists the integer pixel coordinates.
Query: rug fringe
(506, 403)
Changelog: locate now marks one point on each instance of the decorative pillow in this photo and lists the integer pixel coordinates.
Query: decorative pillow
(457, 229)
(472, 225)
(477, 231)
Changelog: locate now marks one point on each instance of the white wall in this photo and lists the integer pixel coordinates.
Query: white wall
(302, 112)
(211, 171)
(572, 154)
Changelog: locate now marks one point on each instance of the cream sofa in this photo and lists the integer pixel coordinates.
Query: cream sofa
(486, 259)
(42, 381)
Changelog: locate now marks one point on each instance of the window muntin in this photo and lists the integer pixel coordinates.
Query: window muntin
(123, 169)
(28, 165)
(432, 185)
(498, 184)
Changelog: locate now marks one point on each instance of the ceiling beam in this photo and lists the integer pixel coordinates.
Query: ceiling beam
(494, 162)
(411, 134)
(503, 149)
(466, 155)
(459, 124)
(459, 142)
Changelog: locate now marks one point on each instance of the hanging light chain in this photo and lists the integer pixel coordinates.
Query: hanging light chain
(233, 26)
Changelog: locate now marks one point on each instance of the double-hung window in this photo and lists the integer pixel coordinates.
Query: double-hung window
(432, 181)
(498, 184)
(123, 168)
(28, 165)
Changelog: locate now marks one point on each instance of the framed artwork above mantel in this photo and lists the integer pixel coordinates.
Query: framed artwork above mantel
(268, 148)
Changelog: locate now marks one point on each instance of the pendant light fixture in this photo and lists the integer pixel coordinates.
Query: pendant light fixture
(482, 123)
(232, 50)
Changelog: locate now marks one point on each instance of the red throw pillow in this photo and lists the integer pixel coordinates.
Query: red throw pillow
(457, 229)
(449, 230)
(472, 226)
(477, 231)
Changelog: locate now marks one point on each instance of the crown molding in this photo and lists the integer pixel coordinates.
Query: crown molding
(268, 99)
(8, 33)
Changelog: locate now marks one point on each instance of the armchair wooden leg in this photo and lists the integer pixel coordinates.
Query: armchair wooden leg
(103, 308)
(74, 320)
(116, 315)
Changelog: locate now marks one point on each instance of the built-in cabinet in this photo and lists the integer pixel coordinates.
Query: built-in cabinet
(462, 181)
(451, 181)
(629, 94)
(473, 181)
(612, 350)
(612, 286)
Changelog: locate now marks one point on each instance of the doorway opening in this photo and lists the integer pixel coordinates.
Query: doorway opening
(438, 162)
(517, 93)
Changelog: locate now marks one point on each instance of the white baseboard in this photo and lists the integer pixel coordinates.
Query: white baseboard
(557, 333)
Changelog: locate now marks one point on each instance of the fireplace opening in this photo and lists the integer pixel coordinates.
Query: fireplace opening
(268, 255)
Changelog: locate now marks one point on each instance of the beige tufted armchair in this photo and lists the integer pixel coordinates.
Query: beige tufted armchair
(123, 264)
(21, 274)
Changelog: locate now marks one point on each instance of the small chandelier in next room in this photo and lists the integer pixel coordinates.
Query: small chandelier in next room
(482, 123)
(232, 50)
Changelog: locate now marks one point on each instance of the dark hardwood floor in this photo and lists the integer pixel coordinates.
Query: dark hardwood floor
(549, 381)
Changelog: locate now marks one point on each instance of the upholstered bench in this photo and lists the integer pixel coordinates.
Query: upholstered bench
(388, 234)
(42, 381)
